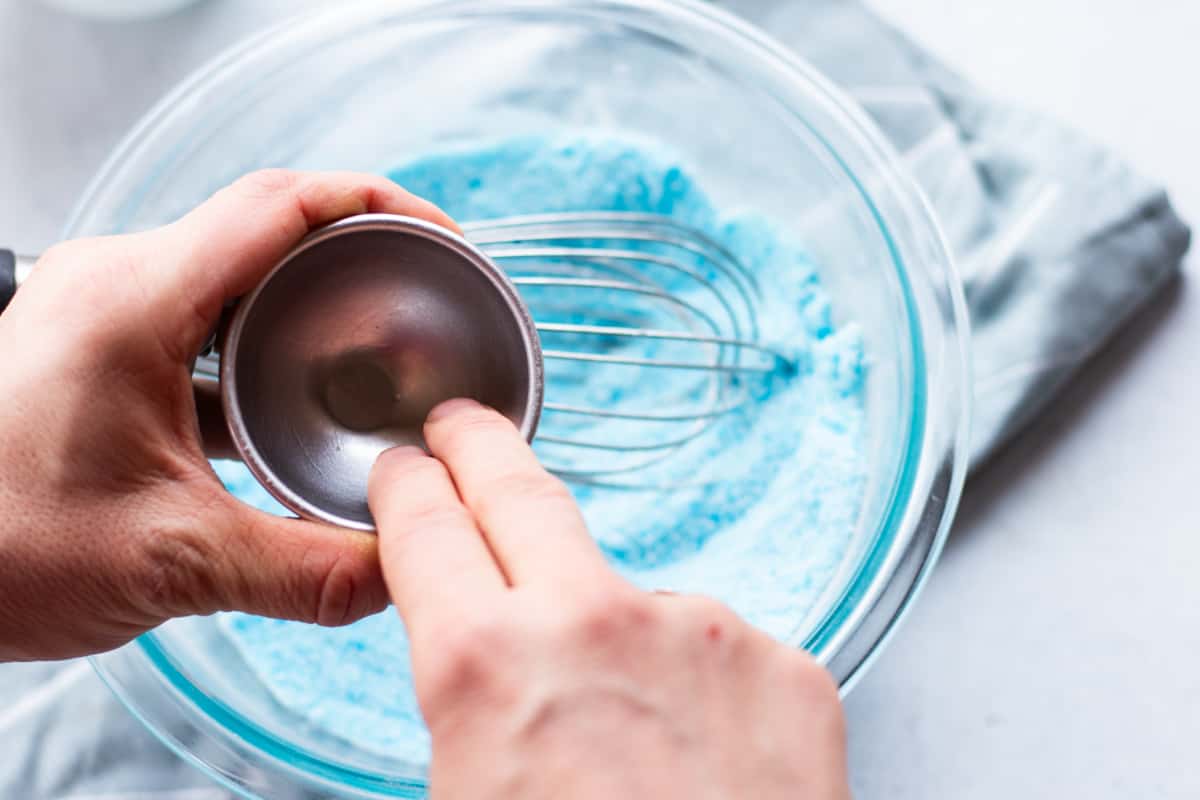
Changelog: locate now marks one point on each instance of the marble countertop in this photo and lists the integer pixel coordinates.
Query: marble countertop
(1051, 654)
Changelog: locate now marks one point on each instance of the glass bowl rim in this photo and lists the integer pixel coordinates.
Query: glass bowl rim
(877, 567)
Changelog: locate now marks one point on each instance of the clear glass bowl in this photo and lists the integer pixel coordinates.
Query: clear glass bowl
(367, 85)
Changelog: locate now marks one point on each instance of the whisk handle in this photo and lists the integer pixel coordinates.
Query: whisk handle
(8, 277)
(13, 271)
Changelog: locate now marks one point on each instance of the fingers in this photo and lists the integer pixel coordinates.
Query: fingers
(453, 533)
(228, 244)
(531, 521)
(434, 559)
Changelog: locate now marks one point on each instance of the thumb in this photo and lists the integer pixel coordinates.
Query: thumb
(292, 569)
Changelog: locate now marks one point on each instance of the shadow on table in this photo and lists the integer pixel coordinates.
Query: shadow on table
(1016, 459)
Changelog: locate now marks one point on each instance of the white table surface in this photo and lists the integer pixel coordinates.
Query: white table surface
(1051, 655)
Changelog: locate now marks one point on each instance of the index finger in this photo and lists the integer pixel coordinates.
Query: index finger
(435, 561)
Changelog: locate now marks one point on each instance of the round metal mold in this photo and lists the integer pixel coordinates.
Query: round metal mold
(343, 349)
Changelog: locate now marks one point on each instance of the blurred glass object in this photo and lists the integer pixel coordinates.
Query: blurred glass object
(119, 9)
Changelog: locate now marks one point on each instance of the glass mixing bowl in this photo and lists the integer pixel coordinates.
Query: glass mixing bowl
(367, 86)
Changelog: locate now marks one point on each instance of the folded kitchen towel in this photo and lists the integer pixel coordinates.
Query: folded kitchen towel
(1058, 241)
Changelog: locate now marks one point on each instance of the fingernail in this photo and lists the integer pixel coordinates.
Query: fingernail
(404, 452)
(449, 408)
(392, 459)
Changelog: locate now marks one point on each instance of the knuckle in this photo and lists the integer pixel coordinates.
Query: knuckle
(178, 576)
(84, 265)
(97, 282)
(613, 614)
(464, 665)
(266, 182)
(702, 609)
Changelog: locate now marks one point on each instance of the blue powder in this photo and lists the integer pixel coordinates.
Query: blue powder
(773, 492)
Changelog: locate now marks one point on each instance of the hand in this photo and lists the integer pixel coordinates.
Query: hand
(112, 519)
(543, 674)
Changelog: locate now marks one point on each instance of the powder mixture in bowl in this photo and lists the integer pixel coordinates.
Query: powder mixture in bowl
(773, 491)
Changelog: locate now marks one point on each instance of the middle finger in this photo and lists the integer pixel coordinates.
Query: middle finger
(529, 517)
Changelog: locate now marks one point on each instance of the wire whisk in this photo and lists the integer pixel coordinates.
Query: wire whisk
(649, 330)
(650, 333)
